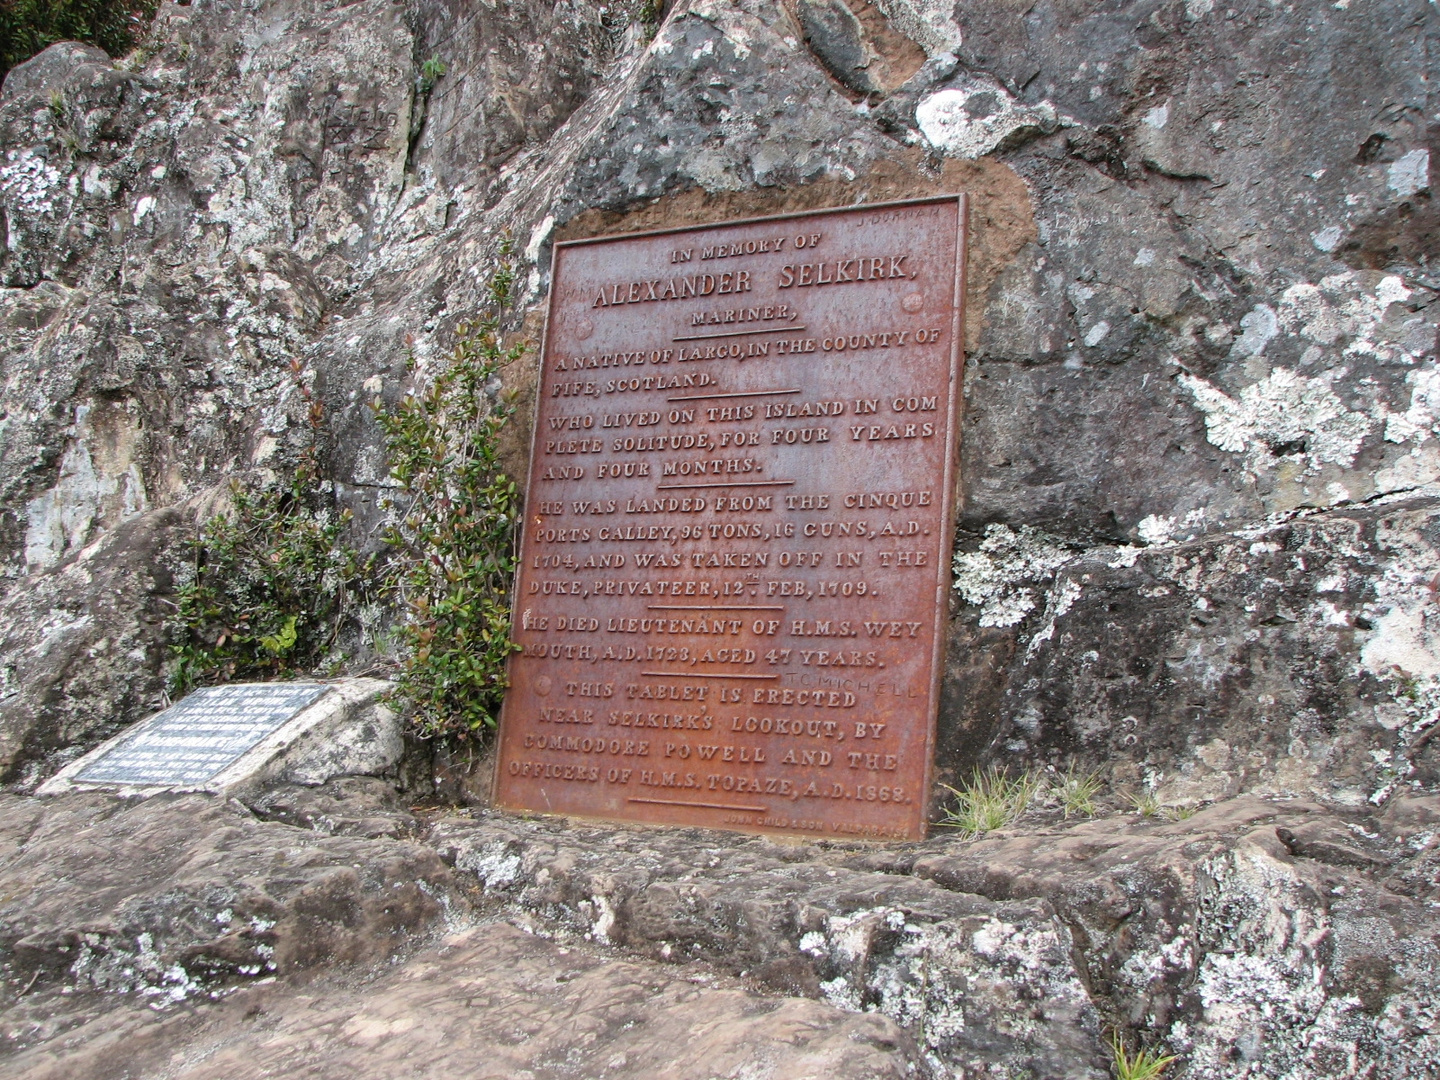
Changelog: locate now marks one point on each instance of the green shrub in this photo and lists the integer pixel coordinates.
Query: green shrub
(453, 537)
(28, 26)
(269, 587)
(266, 588)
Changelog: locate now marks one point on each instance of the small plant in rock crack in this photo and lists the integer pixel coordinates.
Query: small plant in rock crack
(991, 800)
(453, 531)
(1077, 791)
(1143, 1064)
(431, 72)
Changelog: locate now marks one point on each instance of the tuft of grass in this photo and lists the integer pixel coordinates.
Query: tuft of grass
(1143, 1064)
(1144, 802)
(991, 800)
(1077, 792)
(1178, 813)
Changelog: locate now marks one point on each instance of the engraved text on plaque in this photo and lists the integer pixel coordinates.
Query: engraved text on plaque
(735, 550)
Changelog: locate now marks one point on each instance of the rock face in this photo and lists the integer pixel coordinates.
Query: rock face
(1297, 659)
(1197, 545)
(1200, 296)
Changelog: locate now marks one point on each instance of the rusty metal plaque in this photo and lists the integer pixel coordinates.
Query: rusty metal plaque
(735, 553)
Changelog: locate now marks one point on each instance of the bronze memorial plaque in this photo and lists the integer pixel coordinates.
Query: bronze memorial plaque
(734, 566)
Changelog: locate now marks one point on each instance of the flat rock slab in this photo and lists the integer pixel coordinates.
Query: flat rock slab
(491, 1003)
(171, 897)
(987, 987)
(1301, 935)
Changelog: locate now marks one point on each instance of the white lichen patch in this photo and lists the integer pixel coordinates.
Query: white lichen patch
(1403, 649)
(117, 966)
(1422, 418)
(1062, 598)
(1410, 174)
(1265, 983)
(1283, 414)
(850, 936)
(929, 23)
(978, 117)
(30, 185)
(604, 920)
(1003, 575)
(1328, 238)
(841, 993)
(1125, 555)
(1406, 638)
(495, 865)
(928, 984)
(1258, 327)
(1353, 305)
(1156, 529)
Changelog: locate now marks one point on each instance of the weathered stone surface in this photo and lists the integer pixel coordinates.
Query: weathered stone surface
(1256, 937)
(1249, 950)
(984, 986)
(349, 806)
(1294, 660)
(82, 649)
(173, 896)
(488, 1003)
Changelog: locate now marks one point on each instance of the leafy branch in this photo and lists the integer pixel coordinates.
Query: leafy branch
(453, 535)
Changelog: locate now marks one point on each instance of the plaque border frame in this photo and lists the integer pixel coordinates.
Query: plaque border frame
(948, 512)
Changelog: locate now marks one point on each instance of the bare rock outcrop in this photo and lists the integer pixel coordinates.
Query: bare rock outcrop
(1200, 294)
(1197, 546)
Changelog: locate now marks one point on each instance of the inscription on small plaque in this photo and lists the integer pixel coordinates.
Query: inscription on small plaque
(730, 606)
(200, 736)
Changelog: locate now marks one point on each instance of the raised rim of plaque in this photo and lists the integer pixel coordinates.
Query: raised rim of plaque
(958, 196)
(949, 495)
